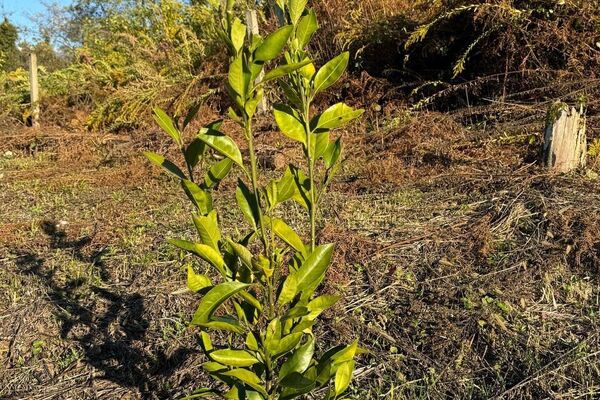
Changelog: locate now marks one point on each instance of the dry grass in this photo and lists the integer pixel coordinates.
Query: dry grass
(466, 271)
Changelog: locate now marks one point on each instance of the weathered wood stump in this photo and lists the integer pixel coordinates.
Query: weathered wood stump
(565, 144)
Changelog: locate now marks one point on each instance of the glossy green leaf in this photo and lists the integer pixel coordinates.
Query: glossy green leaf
(320, 304)
(159, 160)
(307, 27)
(242, 252)
(320, 143)
(314, 268)
(286, 344)
(289, 123)
(218, 172)
(289, 290)
(194, 152)
(251, 342)
(208, 229)
(248, 377)
(343, 376)
(332, 153)
(203, 251)
(335, 117)
(296, 8)
(300, 360)
(286, 186)
(238, 34)
(273, 44)
(213, 299)
(308, 276)
(234, 358)
(331, 72)
(288, 235)
(247, 203)
(206, 342)
(201, 198)
(223, 144)
(212, 366)
(284, 70)
(196, 282)
(167, 125)
(238, 77)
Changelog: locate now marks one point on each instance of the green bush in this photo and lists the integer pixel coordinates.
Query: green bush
(269, 276)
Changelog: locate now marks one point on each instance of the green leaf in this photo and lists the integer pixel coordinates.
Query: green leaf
(194, 152)
(319, 144)
(320, 304)
(218, 172)
(239, 78)
(159, 160)
(203, 251)
(206, 342)
(289, 124)
(300, 360)
(296, 8)
(310, 273)
(307, 27)
(331, 72)
(212, 366)
(273, 44)
(251, 342)
(286, 344)
(238, 34)
(283, 70)
(289, 290)
(287, 234)
(247, 377)
(242, 252)
(332, 153)
(335, 117)
(234, 358)
(213, 299)
(286, 186)
(167, 125)
(298, 382)
(208, 229)
(201, 198)
(223, 144)
(196, 282)
(343, 376)
(247, 203)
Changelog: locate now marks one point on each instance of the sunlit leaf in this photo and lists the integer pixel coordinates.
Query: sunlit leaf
(331, 72)
(159, 160)
(213, 299)
(273, 44)
(167, 125)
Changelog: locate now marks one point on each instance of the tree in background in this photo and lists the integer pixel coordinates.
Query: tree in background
(9, 53)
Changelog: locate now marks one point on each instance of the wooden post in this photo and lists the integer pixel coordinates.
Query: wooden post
(565, 143)
(34, 90)
(252, 22)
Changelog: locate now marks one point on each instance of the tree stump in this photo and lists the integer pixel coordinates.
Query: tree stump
(565, 143)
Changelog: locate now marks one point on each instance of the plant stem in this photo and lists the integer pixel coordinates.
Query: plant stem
(312, 209)
(263, 232)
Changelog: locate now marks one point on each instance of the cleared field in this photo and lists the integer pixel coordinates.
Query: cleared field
(466, 270)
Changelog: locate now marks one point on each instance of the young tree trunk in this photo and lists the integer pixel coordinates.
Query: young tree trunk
(565, 144)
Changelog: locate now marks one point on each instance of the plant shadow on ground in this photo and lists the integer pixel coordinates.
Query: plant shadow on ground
(111, 340)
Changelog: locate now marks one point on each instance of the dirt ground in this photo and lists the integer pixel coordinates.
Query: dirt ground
(466, 269)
